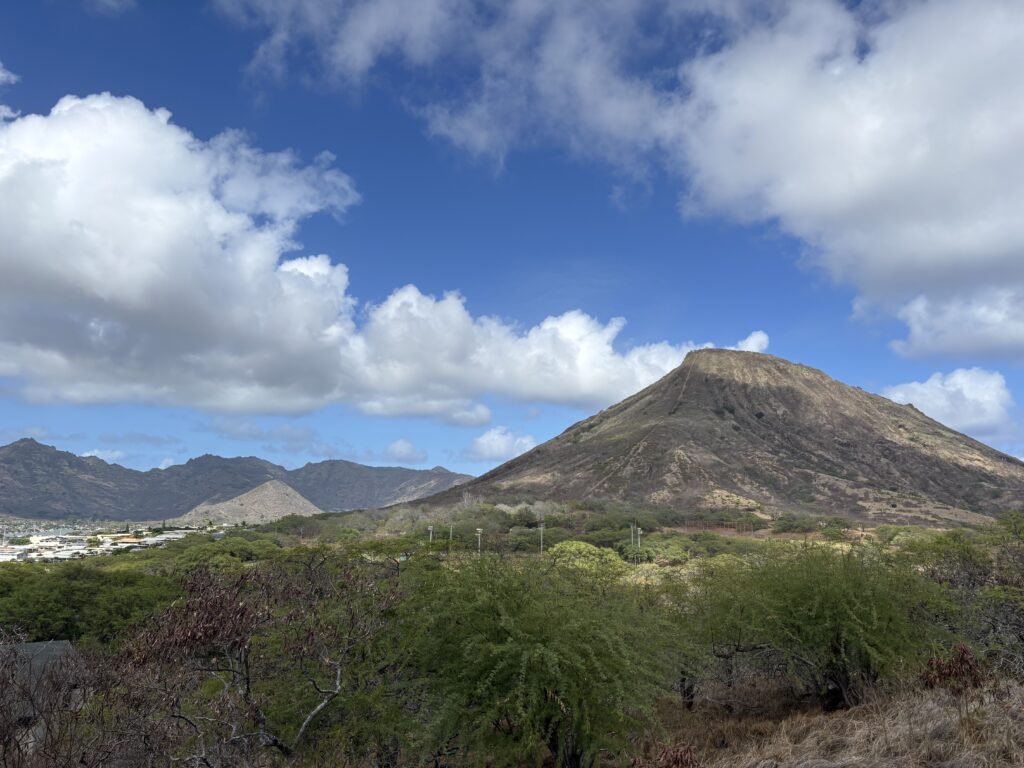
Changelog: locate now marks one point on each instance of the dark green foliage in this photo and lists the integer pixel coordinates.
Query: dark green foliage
(526, 656)
(835, 620)
(74, 601)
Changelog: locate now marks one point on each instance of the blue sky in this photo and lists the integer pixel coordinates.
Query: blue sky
(503, 183)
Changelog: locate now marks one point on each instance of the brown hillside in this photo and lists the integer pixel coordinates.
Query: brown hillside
(263, 504)
(747, 430)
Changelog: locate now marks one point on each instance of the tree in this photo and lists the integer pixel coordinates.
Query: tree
(253, 665)
(836, 620)
(524, 656)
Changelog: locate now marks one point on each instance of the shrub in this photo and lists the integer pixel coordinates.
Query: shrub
(834, 621)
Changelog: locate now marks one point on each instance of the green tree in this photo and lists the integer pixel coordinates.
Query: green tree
(524, 657)
(839, 620)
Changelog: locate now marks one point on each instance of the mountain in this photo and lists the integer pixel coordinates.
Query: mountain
(341, 485)
(751, 431)
(39, 481)
(263, 504)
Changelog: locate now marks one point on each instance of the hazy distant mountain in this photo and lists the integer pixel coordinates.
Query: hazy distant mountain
(339, 485)
(39, 481)
(745, 430)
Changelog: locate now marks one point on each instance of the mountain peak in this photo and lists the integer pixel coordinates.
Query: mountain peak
(748, 430)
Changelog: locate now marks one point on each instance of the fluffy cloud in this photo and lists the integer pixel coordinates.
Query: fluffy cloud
(498, 444)
(971, 400)
(141, 263)
(856, 127)
(755, 342)
(404, 452)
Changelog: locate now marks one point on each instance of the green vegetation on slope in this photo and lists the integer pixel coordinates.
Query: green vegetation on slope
(312, 642)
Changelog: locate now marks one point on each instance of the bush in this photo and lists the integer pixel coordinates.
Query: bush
(835, 622)
(523, 660)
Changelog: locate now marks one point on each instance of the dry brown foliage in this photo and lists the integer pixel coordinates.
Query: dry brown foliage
(914, 729)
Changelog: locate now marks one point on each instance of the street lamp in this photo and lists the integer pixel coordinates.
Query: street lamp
(479, 540)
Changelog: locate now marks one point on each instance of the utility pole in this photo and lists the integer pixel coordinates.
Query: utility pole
(639, 531)
(479, 541)
(541, 526)
(430, 531)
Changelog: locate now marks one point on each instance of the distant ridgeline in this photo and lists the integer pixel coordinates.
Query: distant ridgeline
(39, 481)
(748, 431)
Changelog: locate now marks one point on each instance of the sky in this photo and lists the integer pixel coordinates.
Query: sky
(438, 232)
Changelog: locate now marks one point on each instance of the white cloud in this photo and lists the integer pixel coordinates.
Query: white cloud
(6, 76)
(983, 322)
(107, 456)
(165, 463)
(858, 128)
(755, 342)
(971, 400)
(141, 263)
(404, 452)
(498, 444)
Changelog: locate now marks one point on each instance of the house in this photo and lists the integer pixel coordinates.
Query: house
(12, 554)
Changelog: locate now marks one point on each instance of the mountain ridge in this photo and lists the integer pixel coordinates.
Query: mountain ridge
(38, 481)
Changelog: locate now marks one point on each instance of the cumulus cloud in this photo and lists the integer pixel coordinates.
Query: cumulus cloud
(971, 400)
(856, 127)
(141, 263)
(755, 342)
(498, 444)
(404, 452)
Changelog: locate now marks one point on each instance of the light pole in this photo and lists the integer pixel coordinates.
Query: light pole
(639, 531)
(479, 540)
(541, 526)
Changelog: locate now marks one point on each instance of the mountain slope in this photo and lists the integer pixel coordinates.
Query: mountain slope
(39, 481)
(747, 430)
(336, 486)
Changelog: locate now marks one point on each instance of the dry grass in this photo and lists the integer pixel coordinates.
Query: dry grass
(916, 729)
